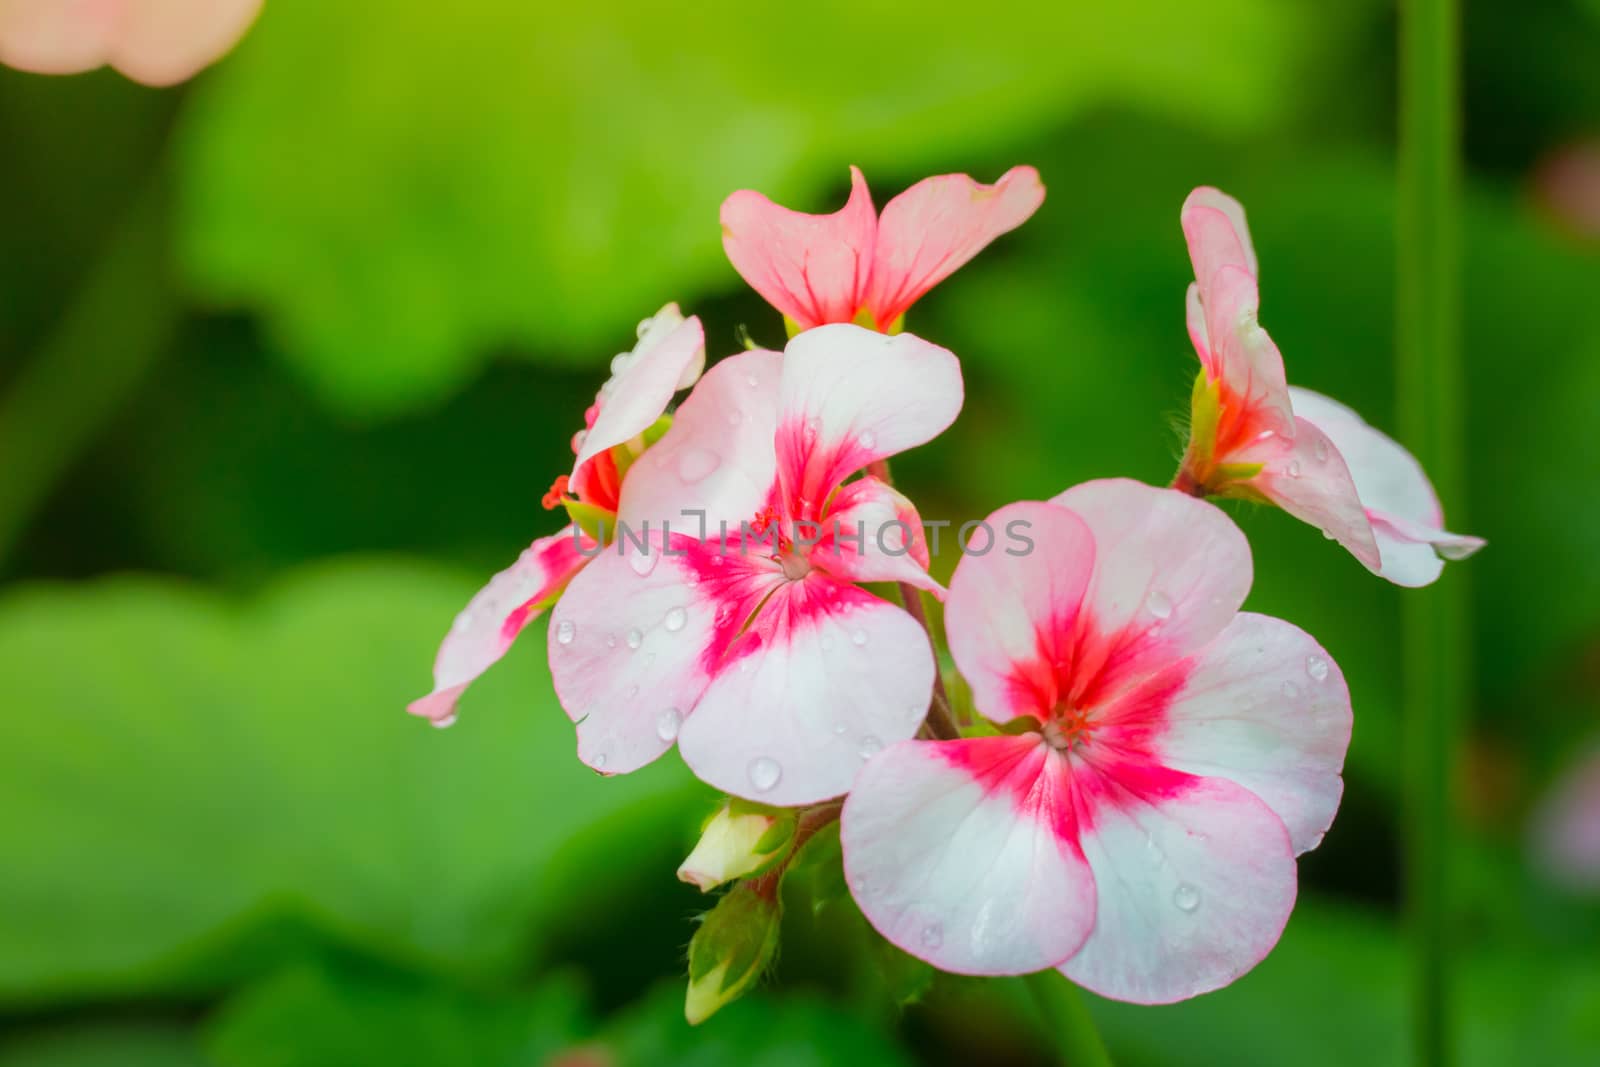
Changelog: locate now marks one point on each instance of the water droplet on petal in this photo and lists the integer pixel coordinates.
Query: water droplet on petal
(867, 440)
(1291, 690)
(643, 327)
(858, 638)
(764, 773)
(870, 746)
(1294, 468)
(635, 639)
(1186, 897)
(1317, 667)
(620, 362)
(1265, 435)
(600, 761)
(840, 727)
(566, 630)
(696, 463)
(611, 640)
(1159, 604)
(667, 724)
(753, 381)
(444, 723)
(643, 562)
(462, 622)
(676, 619)
(1320, 449)
(932, 936)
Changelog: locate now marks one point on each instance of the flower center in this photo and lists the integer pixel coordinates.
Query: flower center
(1067, 728)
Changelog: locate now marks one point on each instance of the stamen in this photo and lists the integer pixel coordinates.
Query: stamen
(556, 497)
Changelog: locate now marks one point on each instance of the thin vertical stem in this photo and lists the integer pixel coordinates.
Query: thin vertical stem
(1430, 405)
(1067, 1021)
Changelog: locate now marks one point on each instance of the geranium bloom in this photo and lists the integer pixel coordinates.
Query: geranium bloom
(157, 42)
(1252, 436)
(741, 633)
(853, 266)
(669, 356)
(1164, 759)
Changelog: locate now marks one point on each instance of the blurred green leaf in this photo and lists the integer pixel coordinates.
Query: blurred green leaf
(181, 771)
(401, 189)
(313, 1018)
(122, 1044)
(754, 1032)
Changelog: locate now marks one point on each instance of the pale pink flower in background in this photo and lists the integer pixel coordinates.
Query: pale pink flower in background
(855, 266)
(1166, 758)
(157, 42)
(741, 633)
(1252, 436)
(1567, 185)
(669, 356)
(1566, 827)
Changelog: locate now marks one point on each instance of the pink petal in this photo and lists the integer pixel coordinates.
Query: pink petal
(1196, 878)
(1566, 827)
(1262, 706)
(965, 854)
(933, 228)
(494, 617)
(1014, 603)
(850, 396)
(813, 268)
(872, 533)
(825, 676)
(669, 356)
(1196, 316)
(58, 36)
(163, 42)
(1218, 236)
(1306, 476)
(638, 636)
(1396, 495)
(1170, 572)
(718, 457)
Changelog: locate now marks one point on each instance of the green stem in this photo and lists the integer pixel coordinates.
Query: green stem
(1429, 388)
(1067, 1021)
(120, 321)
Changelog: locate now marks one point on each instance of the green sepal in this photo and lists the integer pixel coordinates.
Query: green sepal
(1205, 414)
(1239, 472)
(791, 327)
(599, 523)
(736, 942)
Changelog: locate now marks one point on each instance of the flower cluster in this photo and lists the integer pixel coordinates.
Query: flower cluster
(1142, 761)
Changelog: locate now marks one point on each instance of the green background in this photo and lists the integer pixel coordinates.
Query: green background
(288, 357)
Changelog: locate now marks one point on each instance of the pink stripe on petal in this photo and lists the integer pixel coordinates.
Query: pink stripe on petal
(813, 268)
(935, 227)
(491, 621)
(964, 853)
(825, 676)
(872, 533)
(850, 396)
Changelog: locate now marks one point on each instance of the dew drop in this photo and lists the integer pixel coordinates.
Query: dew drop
(620, 362)
(1317, 667)
(696, 463)
(867, 439)
(1294, 468)
(635, 638)
(839, 727)
(810, 431)
(578, 439)
(1320, 450)
(858, 638)
(667, 724)
(462, 622)
(611, 640)
(1159, 605)
(644, 562)
(1291, 690)
(932, 936)
(676, 619)
(1186, 897)
(566, 631)
(753, 381)
(870, 746)
(600, 761)
(444, 723)
(764, 773)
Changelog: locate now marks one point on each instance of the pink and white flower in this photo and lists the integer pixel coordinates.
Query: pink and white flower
(730, 620)
(1566, 827)
(855, 266)
(669, 356)
(157, 42)
(1163, 759)
(1253, 436)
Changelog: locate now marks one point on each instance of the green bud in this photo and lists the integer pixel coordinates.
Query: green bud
(738, 840)
(597, 522)
(736, 942)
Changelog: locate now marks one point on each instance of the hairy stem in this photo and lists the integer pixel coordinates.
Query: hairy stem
(1429, 389)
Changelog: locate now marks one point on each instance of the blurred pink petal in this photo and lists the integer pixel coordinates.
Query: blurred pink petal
(1567, 183)
(157, 42)
(1566, 827)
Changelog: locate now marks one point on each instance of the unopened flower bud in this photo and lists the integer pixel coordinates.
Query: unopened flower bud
(736, 941)
(740, 839)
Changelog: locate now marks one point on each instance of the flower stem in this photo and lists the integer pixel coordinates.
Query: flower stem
(1067, 1021)
(1429, 389)
(119, 324)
